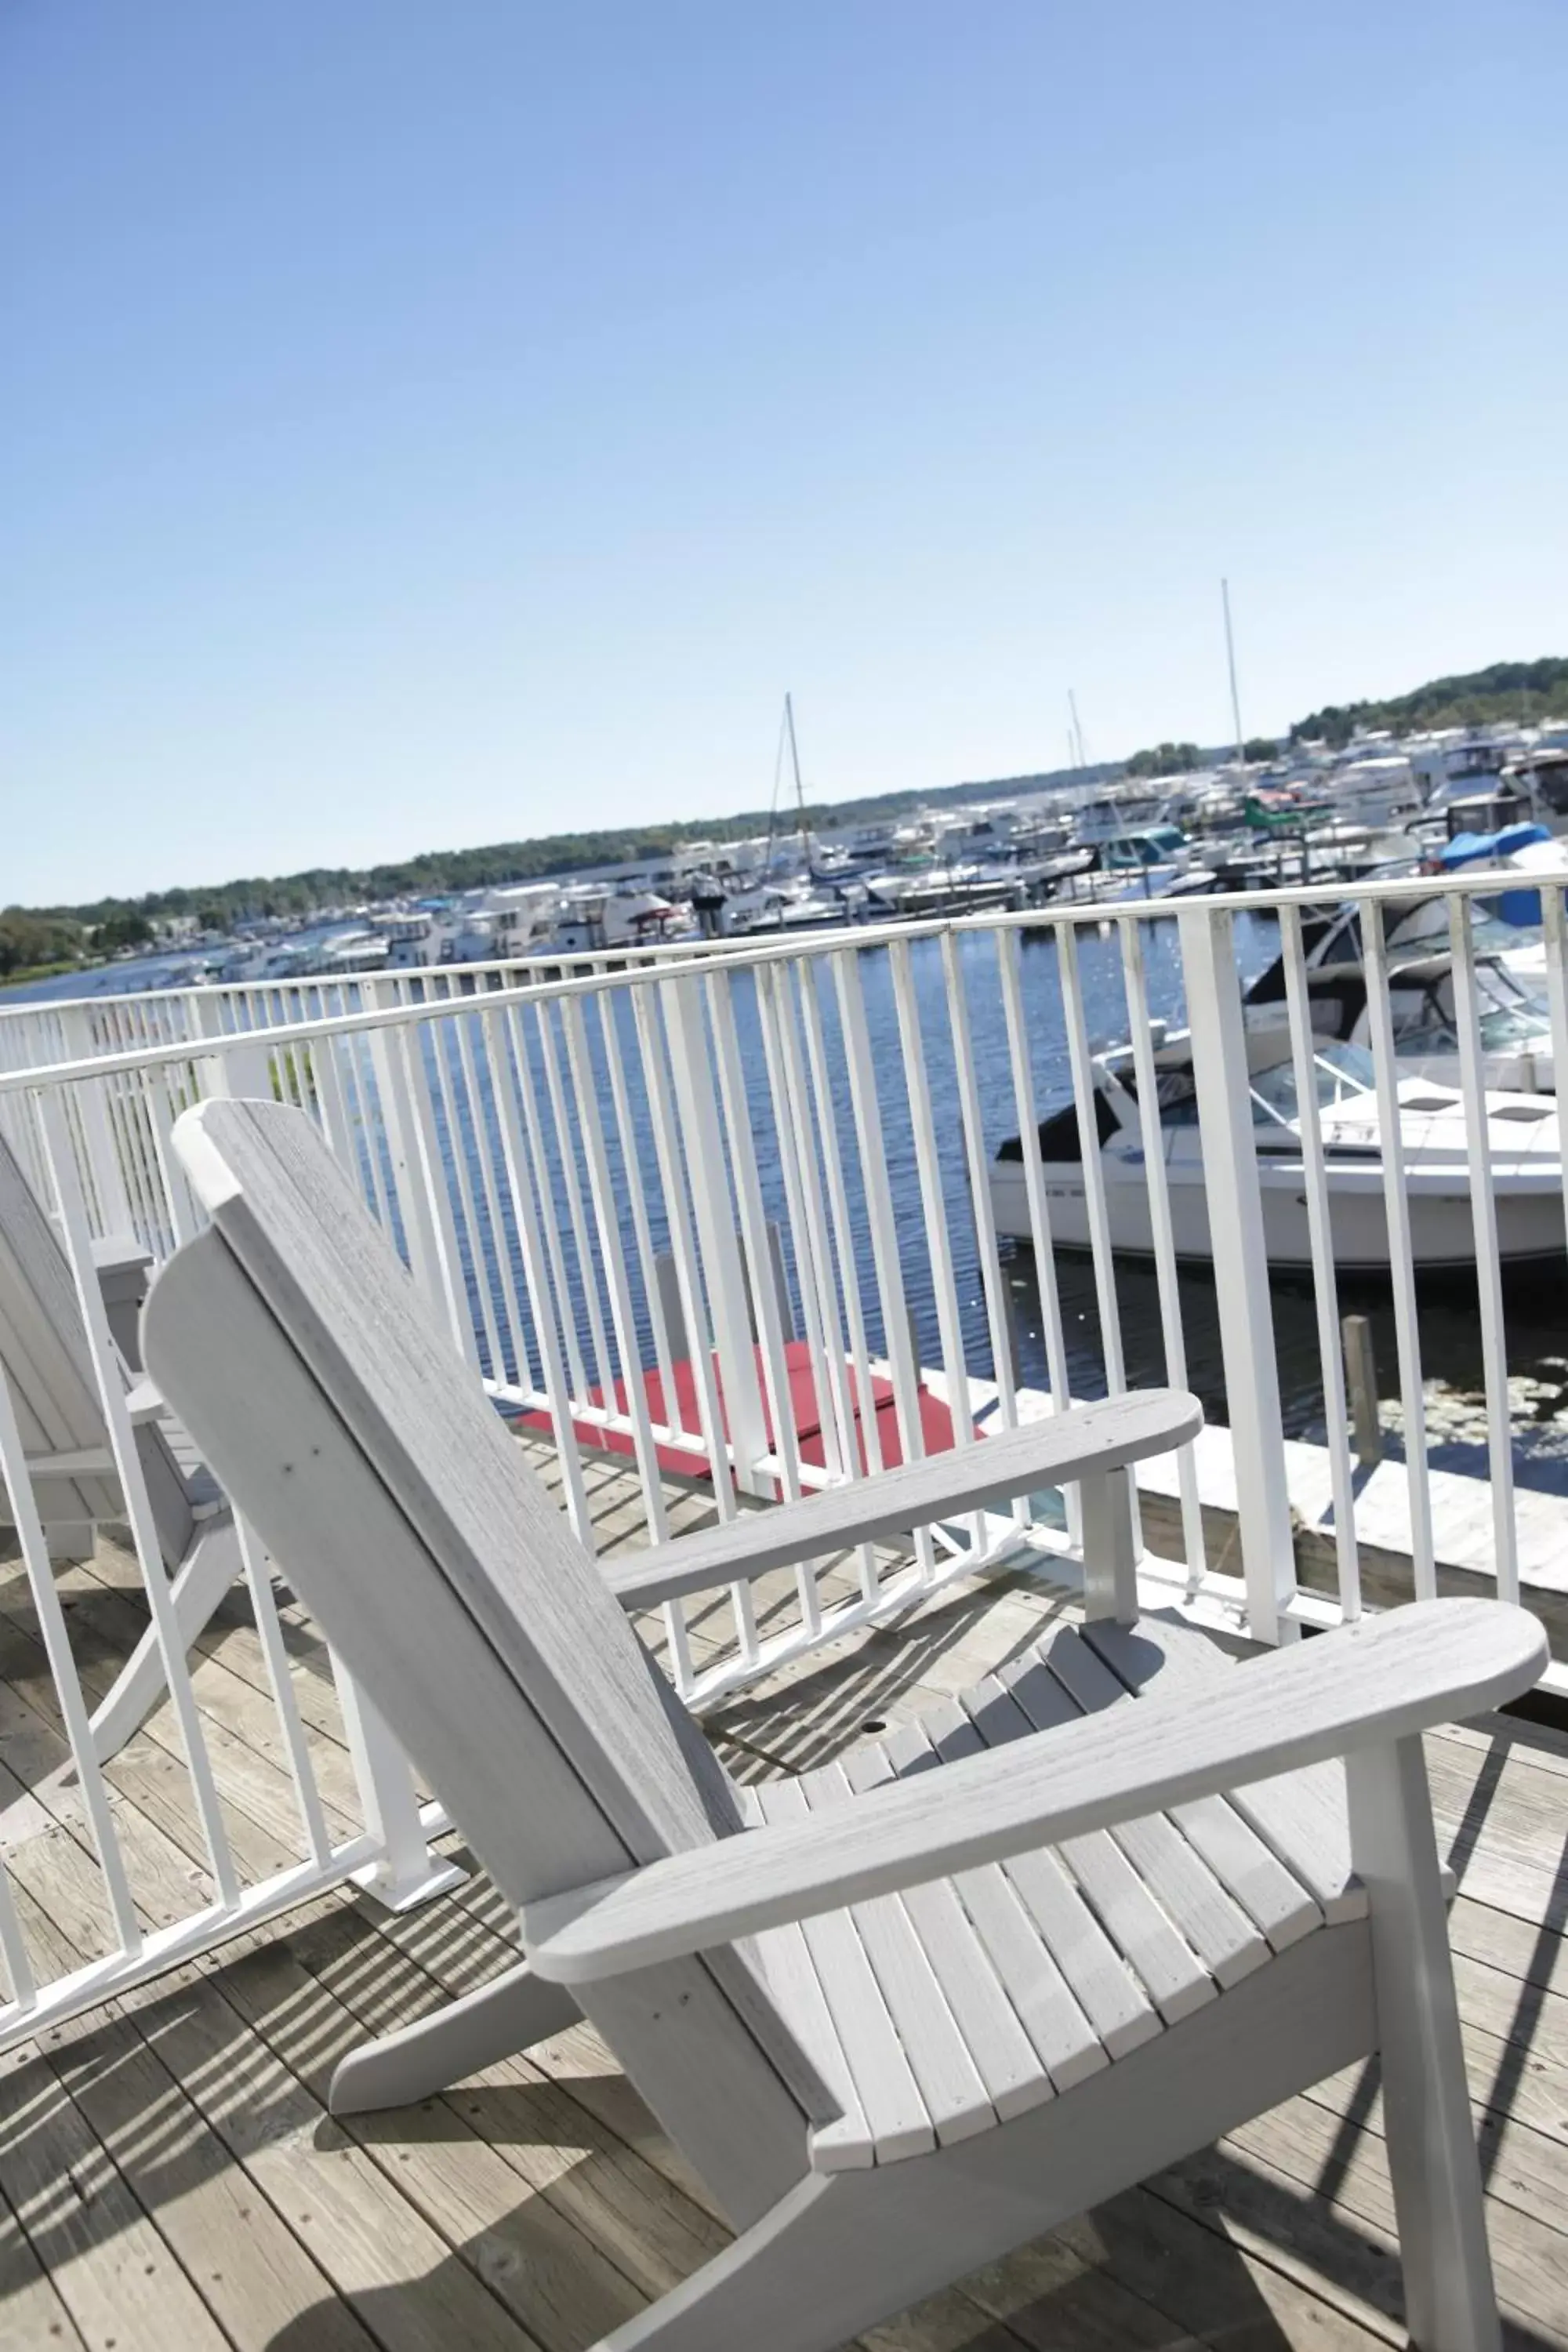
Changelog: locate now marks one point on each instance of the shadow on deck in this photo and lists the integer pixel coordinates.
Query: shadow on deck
(170, 2177)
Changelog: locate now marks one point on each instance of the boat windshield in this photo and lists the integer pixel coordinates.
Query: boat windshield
(1521, 1024)
(1492, 936)
(1510, 1014)
(1343, 1073)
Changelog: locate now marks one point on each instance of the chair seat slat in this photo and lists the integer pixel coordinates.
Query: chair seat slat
(1299, 1815)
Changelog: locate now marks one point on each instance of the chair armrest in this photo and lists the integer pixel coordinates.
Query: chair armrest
(1385, 1679)
(1085, 1441)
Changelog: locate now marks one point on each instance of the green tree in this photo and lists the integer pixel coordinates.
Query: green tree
(27, 939)
(127, 930)
(1166, 760)
(1506, 693)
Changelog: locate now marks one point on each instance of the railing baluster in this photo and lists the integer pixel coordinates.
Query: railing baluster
(543, 1192)
(709, 1190)
(1096, 1210)
(301, 1772)
(472, 1065)
(933, 1207)
(754, 1229)
(602, 1192)
(1325, 1286)
(866, 1455)
(1401, 1251)
(1235, 1208)
(1172, 1337)
(571, 1187)
(1025, 1106)
(419, 1052)
(788, 1118)
(839, 1400)
(1489, 1264)
(636, 1199)
(506, 1058)
(693, 1308)
(1555, 927)
(902, 1360)
(444, 1084)
(993, 1280)
(405, 1186)
(928, 1164)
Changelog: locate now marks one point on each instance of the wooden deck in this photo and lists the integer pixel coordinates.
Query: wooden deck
(170, 2180)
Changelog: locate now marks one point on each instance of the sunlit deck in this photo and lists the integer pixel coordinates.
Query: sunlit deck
(169, 2178)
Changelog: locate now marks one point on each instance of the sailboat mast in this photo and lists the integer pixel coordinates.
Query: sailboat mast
(1230, 659)
(795, 763)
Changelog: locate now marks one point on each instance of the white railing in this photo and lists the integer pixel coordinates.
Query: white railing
(728, 1212)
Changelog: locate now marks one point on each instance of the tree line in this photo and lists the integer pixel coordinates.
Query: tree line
(1504, 694)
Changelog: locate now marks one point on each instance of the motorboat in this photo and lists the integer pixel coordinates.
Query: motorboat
(1413, 929)
(593, 918)
(1522, 1138)
(1513, 1020)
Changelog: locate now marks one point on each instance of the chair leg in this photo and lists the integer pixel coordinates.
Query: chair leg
(800, 2280)
(204, 1576)
(508, 2014)
(1450, 2301)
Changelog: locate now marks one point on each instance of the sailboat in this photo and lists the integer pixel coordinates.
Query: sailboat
(810, 899)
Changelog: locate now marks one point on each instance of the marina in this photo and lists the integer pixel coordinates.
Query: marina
(1375, 806)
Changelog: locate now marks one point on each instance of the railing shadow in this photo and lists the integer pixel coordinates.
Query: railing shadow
(218, 2077)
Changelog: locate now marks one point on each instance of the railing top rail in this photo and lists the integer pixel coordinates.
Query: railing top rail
(640, 966)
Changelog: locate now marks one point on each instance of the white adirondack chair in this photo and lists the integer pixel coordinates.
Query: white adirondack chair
(907, 2012)
(46, 1365)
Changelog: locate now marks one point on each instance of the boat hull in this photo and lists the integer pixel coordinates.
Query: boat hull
(1530, 1219)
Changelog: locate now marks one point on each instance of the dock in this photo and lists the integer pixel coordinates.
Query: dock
(1462, 1508)
(1463, 1527)
(170, 2181)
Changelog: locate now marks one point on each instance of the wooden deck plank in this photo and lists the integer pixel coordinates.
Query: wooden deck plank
(537, 2205)
(32, 2314)
(117, 2278)
(362, 2229)
(1316, 2148)
(1224, 2292)
(247, 2266)
(553, 2279)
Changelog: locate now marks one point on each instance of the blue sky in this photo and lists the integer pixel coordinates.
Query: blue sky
(426, 425)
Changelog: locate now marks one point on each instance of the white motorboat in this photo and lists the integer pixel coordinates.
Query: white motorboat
(1513, 1020)
(591, 919)
(1416, 927)
(1522, 1138)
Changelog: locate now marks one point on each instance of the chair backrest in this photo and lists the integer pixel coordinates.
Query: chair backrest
(48, 1367)
(334, 1408)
